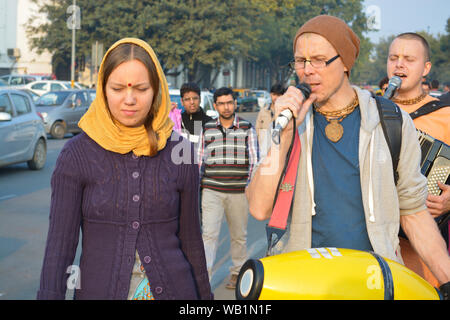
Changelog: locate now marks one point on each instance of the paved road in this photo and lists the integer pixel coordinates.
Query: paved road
(24, 209)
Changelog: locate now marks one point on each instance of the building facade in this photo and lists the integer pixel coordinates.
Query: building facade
(16, 56)
(237, 73)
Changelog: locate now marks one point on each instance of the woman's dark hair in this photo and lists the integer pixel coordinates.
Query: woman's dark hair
(128, 52)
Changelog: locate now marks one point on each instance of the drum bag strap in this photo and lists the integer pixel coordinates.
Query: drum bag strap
(428, 108)
(387, 277)
(284, 197)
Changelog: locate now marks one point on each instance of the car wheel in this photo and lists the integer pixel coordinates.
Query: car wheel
(58, 130)
(39, 156)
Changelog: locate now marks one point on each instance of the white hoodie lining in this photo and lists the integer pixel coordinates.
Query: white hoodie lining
(371, 214)
(308, 161)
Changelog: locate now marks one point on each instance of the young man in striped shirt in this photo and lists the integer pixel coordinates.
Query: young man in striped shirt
(227, 155)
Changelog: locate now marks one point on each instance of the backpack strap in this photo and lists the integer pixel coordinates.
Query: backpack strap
(391, 122)
(428, 108)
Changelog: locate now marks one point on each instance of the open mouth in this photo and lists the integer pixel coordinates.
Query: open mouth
(402, 75)
(314, 85)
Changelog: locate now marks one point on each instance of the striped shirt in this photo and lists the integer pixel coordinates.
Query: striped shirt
(227, 156)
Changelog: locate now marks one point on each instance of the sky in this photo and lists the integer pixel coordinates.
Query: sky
(397, 16)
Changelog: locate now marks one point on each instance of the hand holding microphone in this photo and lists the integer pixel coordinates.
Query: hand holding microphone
(296, 101)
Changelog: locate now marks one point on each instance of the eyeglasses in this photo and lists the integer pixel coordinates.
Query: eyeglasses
(194, 99)
(229, 103)
(315, 63)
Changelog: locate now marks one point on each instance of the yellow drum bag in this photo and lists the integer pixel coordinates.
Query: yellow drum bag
(330, 273)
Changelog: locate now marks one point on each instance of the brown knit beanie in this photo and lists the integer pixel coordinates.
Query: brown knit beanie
(338, 33)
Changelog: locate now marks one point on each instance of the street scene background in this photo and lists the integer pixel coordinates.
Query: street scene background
(237, 43)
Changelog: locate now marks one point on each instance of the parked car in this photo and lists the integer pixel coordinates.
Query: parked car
(61, 110)
(22, 134)
(34, 96)
(263, 97)
(246, 100)
(206, 101)
(22, 79)
(41, 87)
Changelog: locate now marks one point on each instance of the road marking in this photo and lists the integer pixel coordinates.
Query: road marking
(8, 196)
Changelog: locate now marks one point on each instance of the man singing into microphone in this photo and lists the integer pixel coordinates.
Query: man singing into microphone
(409, 59)
(345, 194)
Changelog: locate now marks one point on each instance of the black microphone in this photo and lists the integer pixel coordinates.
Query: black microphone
(286, 115)
(394, 84)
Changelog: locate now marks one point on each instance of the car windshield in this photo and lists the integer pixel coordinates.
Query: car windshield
(52, 98)
(259, 94)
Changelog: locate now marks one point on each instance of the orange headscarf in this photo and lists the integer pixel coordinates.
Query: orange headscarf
(112, 135)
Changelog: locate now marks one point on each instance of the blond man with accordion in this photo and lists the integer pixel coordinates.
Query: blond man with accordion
(409, 59)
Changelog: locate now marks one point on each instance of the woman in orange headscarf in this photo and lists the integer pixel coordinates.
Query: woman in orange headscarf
(124, 182)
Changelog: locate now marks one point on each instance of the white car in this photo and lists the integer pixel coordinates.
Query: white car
(41, 87)
(263, 97)
(206, 102)
(21, 79)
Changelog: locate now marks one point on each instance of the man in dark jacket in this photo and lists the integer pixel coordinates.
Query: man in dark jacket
(193, 119)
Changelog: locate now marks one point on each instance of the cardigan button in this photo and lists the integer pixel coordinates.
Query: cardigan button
(135, 225)
(136, 198)
(135, 175)
(158, 290)
(147, 259)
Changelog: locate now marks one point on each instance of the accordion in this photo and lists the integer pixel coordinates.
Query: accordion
(435, 161)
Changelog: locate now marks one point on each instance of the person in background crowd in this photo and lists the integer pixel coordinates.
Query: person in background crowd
(118, 182)
(193, 119)
(409, 58)
(447, 87)
(426, 86)
(175, 116)
(345, 194)
(227, 155)
(265, 118)
(434, 89)
(383, 84)
(445, 97)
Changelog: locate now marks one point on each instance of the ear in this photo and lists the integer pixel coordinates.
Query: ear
(427, 68)
(215, 107)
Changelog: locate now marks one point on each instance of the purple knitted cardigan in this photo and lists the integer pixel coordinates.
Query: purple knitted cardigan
(124, 203)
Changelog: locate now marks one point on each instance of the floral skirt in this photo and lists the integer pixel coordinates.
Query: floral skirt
(139, 285)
